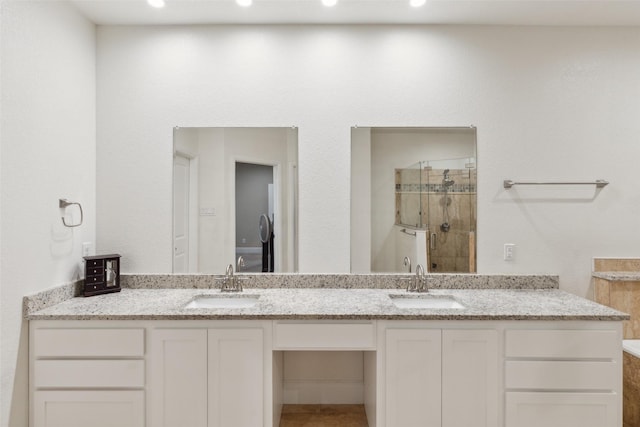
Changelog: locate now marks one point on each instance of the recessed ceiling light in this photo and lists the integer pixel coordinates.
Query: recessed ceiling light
(156, 3)
(329, 3)
(244, 3)
(417, 3)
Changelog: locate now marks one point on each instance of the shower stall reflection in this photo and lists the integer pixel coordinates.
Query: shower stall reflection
(435, 200)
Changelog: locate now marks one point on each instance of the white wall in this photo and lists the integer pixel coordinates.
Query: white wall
(360, 200)
(1, 188)
(215, 238)
(47, 147)
(548, 103)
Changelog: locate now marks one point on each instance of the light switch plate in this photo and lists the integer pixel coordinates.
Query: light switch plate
(86, 248)
(509, 251)
(207, 211)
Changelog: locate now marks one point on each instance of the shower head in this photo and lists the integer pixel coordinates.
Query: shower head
(446, 181)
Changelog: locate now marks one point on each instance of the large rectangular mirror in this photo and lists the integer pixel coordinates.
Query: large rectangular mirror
(235, 195)
(413, 199)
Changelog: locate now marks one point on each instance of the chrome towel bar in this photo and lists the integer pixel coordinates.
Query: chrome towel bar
(599, 183)
(410, 233)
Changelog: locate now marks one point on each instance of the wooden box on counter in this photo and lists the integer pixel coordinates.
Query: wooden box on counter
(101, 274)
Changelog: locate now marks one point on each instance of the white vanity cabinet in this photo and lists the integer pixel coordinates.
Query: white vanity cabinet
(208, 376)
(150, 373)
(86, 376)
(563, 378)
(426, 373)
(440, 377)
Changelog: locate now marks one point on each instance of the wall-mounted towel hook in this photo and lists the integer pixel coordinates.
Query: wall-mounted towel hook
(63, 204)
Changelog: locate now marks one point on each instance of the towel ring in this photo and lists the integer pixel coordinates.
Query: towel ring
(63, 204)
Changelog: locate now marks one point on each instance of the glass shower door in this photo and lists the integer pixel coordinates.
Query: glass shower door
(449, 199)
(409, 209)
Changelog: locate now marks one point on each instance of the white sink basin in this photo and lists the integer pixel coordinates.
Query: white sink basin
(223, 301)
(425, 301)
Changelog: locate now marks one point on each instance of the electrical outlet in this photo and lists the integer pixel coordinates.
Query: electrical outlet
(509, 251)
(86, 248)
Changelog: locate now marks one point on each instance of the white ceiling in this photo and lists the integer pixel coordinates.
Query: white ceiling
(483, 12)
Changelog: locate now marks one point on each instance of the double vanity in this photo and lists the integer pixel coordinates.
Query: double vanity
(474, 351)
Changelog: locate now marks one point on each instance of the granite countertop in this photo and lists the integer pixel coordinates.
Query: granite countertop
(618, 276)
(310, 303)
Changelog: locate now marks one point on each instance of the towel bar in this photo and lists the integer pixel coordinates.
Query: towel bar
(599, 183)
(410, 233)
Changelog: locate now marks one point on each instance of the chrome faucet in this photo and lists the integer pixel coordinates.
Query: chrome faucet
(230, 283)
(419, 281)
(407, 262)
(239, 264)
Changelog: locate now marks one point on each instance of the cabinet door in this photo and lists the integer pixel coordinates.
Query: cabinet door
(413, 377)
(236, 377)
(469, 378)
(66, 408)
(561, 409)
(178, 378)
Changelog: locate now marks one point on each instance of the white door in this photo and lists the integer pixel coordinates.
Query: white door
(236, 378)
(181, 172)
(413, 377)
(470, 378)
(178, 378)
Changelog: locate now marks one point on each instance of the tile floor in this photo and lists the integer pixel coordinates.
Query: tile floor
(323, 416)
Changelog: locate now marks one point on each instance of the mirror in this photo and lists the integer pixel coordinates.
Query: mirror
(234, 195)
(413, 199)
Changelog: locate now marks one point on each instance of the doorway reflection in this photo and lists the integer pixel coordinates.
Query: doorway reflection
(218, 203)
(255, 217)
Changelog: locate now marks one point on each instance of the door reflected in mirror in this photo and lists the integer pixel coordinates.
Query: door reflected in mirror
(413, 199)
(228, 183)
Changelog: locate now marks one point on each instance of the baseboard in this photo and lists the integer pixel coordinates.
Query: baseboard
(248, 250)
(324, 392)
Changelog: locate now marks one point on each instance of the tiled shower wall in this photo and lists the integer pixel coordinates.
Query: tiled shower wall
(622, 292)
(421, 191)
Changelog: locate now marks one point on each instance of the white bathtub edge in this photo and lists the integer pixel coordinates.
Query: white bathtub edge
(632, 347)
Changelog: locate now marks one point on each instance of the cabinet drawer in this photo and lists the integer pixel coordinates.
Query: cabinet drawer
(300, 336)
(95, 263)
(89, 342)
(94, 279)
(561, 410)
(89, 373)
(70, 408)
(563, 344)
(558, 375)
(94, 271)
